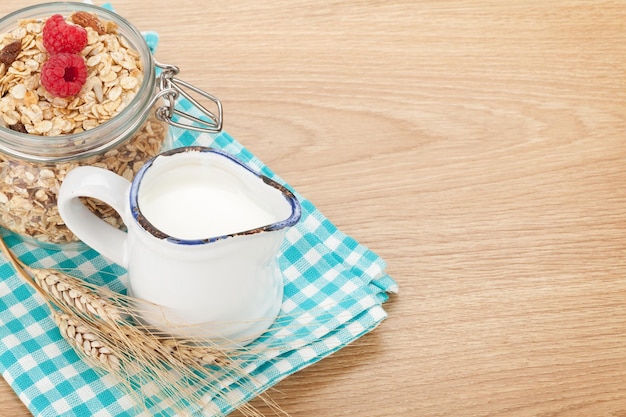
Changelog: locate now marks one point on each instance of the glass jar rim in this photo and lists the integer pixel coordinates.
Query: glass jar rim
(99, 138)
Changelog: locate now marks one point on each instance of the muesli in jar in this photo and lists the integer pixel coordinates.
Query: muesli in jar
(63, 76)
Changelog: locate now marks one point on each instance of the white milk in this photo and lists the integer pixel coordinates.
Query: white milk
(194, 202)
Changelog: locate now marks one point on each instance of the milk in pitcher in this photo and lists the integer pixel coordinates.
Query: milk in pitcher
(195, 202)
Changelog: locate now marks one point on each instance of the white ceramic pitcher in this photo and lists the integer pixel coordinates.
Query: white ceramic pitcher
(203, 234)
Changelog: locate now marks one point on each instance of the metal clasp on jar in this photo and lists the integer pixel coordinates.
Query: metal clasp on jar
(170, 88)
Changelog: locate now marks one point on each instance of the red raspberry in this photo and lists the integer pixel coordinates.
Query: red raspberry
(59, 36)
(63, 75)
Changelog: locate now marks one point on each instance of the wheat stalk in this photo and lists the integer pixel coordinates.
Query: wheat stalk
(100, 325)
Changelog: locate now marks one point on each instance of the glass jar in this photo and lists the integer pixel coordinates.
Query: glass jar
(32, 166)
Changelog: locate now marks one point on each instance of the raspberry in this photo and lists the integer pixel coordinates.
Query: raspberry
(63, 75)
(59, 36)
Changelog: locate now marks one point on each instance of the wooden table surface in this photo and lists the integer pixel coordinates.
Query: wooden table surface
(479, 147)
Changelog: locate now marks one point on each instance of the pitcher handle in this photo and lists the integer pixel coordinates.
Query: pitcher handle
(103, 185)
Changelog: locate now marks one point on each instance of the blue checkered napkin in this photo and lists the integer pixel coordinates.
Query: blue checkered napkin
(334, 290)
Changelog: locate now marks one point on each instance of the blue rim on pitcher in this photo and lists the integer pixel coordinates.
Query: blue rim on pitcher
(294, 217)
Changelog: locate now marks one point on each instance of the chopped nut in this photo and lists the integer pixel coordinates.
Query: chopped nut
(31, 98)
(18, 127)
(88, 20)
(9, 53)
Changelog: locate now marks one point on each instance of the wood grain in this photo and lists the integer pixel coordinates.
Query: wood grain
(479, 147)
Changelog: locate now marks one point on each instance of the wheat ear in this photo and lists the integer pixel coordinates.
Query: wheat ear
(82, 338)
(95, 322)
(76, 294)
